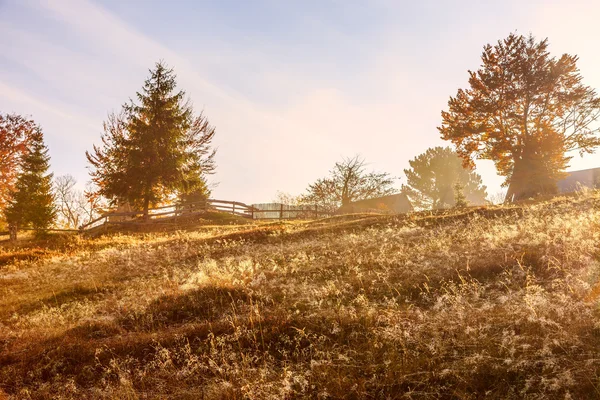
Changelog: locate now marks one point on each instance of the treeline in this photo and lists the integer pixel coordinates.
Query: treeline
(436, 179)
(523, 109)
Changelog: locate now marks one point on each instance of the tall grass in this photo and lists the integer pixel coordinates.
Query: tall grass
(496, 303)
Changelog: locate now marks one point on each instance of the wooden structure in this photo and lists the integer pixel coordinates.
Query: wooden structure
(173, 212)
(162, 214)
(286, 211)
(575, 180)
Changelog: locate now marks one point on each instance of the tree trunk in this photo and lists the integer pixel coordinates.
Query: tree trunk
(12, 232)
(511, 193)
(518, 181)
(146, 207)
(529, 176)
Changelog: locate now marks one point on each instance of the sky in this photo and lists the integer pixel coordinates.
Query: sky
(291, 86)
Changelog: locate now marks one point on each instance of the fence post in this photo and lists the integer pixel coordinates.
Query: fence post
(233, 208)
(316, 212)
(252, 210)
(281, 211)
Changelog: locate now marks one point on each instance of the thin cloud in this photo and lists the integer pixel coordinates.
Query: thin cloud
(283, 114)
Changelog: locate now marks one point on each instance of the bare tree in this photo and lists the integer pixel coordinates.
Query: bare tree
(74, 206)
(287, 198)
(95, 204)
(347, 182)
(498, 197)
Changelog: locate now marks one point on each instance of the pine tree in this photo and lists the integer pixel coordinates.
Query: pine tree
(32, 202)
(431, 176)
(460, 200)
(154, 148)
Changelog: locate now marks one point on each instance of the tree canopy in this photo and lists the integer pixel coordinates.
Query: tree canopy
(15, 132)
(432, 178)
(155, 147)
(348, 181)
(32, 201)
(524, 109)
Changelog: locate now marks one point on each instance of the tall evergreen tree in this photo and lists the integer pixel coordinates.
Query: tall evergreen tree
(32, 202)
(155, 147)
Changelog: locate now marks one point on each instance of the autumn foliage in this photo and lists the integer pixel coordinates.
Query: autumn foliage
(15, 132)
(524, 109)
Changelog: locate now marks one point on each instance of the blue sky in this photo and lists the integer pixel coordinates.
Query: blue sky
(292, 86)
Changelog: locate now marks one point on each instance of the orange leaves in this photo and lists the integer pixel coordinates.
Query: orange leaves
(14, 134)
(523, 101)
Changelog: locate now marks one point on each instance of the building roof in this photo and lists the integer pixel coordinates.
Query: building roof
(395, 203)
(585, 177)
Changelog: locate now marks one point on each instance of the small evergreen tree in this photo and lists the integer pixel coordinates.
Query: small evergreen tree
(32, 202)
(460, 200)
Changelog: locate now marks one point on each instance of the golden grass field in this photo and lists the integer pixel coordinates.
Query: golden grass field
(498, 302)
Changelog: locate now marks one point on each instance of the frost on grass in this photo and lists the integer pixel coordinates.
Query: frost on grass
(466, 306)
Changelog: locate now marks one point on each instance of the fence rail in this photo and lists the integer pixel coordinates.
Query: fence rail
(286, 211)
(168, 212)
(154, 214)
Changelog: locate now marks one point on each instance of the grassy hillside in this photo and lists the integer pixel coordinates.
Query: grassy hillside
(496, 302)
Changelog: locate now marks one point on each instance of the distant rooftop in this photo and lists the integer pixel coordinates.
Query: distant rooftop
(394, 203)
(585, 177)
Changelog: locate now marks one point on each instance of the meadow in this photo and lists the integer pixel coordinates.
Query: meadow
(492, 302)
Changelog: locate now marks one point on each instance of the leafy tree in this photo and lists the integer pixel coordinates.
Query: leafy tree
(32, 202)
(430, 180)
(14, 134)
(348, 181)
(524, 110)
(154, 148)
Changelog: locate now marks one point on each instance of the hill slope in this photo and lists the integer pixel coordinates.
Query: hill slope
(498, 303)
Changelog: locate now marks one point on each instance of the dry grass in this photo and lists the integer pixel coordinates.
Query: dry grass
(496, 303)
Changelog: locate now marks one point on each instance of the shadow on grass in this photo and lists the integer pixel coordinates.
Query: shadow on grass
(74, 353)
(68, 295)
(204, 304)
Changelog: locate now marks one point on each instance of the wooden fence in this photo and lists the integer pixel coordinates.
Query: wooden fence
(286, 211)
(161, 214)
(174, 211)
(231, 207)
(171, 212)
